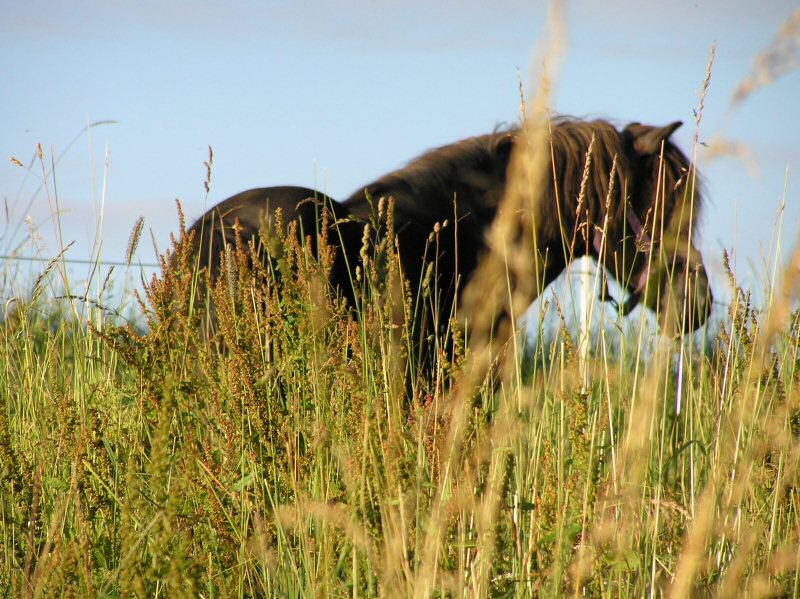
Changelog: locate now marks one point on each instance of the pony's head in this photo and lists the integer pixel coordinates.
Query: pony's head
(665, 270)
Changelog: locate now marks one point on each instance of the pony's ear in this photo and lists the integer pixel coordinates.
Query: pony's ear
(504, 146)
(647, 140)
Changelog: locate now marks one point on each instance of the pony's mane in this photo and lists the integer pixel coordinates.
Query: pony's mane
(472, 168)
(636, 178)
(475, 169)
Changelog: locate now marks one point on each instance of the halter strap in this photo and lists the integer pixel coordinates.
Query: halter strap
(641, 237)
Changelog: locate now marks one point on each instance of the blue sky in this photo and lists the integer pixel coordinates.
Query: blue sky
(332, 95)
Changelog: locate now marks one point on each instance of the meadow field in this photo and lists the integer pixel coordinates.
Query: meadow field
(288, 455)
(284, 458)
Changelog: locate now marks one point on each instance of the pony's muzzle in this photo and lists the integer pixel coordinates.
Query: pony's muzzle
(699, 298)
(685, 299)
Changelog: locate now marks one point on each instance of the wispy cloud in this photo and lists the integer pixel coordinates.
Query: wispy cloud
(391, 24)
(399, 25)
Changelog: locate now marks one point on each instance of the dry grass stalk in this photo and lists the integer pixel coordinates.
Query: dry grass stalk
(777, 59)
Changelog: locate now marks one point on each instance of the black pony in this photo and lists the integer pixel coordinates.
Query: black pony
(633, 208)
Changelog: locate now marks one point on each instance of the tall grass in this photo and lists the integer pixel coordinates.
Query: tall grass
(283, 455)
(289, 462)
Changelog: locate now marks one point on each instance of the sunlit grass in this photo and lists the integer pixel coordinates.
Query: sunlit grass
(283, 456)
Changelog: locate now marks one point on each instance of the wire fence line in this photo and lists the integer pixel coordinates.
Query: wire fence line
(157, 265)
(81, 261)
